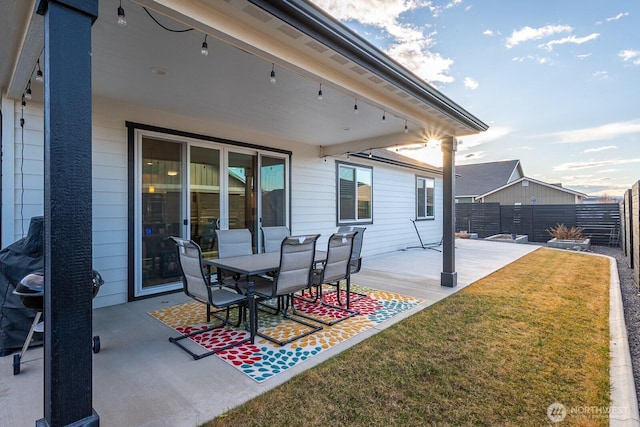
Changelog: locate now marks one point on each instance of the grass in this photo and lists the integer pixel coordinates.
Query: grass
(497, 353)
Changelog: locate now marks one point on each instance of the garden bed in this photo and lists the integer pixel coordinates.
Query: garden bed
(510, 238)
(573, 244)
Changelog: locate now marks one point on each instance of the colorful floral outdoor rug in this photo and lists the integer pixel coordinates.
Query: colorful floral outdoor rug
(264, 359)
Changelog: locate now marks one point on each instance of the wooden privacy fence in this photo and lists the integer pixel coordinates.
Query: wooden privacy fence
(630, 214)
(600, 222)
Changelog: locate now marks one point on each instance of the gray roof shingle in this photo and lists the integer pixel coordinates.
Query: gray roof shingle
(480, 178)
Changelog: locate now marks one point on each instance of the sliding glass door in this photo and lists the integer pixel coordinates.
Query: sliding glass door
(273, 191)
(205, 200)
(189, 189)
(162, 210)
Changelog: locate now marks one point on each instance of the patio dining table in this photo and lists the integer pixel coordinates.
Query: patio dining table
(251, 266)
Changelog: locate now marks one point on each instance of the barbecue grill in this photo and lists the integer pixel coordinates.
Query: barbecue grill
(31, 293)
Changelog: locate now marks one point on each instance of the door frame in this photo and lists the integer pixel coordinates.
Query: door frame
(135, 131)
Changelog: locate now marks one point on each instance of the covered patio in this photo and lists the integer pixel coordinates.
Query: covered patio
(140, 378)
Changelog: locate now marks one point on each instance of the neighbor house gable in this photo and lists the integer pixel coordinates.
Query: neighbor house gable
(526, 181)
(475, 179)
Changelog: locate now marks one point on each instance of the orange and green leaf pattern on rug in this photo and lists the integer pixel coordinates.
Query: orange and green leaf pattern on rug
(264, 359)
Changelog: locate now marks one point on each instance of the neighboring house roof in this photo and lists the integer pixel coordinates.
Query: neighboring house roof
(394, 158)
(524, 178)
(475, 179)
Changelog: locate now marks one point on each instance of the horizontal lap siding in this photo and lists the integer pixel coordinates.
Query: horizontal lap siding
(28, 167)
(313, 190)
(314, 203)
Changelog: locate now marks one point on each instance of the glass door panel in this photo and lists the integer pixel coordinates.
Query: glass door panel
(205, 197)
(241, 181)
(272, 191)
(162, 210)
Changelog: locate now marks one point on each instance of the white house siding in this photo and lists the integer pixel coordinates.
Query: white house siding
(28, 171)
(394, 193)
(313, 186)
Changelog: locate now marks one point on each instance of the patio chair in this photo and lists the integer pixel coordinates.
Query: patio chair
(294, 274)
(356, 257)
(231, 243)
(272, 237)
(335, 268)
(199, 288)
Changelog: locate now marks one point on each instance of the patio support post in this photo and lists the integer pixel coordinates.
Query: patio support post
(67, 213)
(449, 276)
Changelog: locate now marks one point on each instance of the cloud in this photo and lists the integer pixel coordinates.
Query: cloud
(492, 134)
(570, 39)
(630, 55)
(528, 33)
(488, 32)
(598, 149)
(410, 45)
(470, 83)
(593, 164)
(539, 59)
(618, 16)
(598, 133)
(583, 56)
(602, 75)
(584, 180)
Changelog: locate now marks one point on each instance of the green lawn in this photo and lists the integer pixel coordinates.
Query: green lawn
(497, 353)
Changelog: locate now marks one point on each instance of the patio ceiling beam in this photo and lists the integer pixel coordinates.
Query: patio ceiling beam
(385, 141)
(29, 52)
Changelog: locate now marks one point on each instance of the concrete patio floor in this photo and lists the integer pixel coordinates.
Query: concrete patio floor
(140, 379)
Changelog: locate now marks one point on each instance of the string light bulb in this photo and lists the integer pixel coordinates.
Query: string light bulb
(122, 20)
(27, 93)
(272, 78)
(24, 101)
(406, 129)
(384, 116)
(320, 94)
(370, 153)
(205, 47)
(39, 75)
(355, 107)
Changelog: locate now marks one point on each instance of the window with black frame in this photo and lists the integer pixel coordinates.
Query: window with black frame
(355, 193)
(425, 207)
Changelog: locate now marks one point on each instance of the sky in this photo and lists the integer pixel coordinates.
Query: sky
(557, 81)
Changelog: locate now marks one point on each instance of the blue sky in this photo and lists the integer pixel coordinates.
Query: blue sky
(557, 81)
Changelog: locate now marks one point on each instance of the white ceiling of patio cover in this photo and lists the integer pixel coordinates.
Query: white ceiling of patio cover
(230, 87)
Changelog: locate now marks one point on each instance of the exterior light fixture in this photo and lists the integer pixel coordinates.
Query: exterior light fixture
(122, 21)
(272, 78)
(320, 94)
(355, 107)
(27, 93)
(205, 47)
(39, 75)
